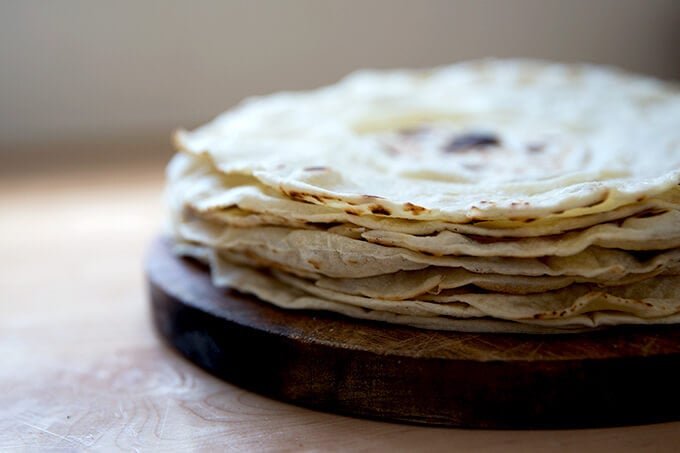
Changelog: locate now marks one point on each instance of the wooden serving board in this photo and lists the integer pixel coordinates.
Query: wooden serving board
(332, 363)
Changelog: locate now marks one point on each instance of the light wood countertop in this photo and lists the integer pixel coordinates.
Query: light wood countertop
(82, 368)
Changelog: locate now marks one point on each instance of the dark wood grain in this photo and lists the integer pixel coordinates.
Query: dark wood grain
(612, 377)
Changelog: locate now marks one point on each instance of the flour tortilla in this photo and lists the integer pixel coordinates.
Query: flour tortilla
(341, 257)
(648, 299)
(606, 140)
(436, 281)
(648, 230)
(656, 230)
(239, 200)
(286, 295)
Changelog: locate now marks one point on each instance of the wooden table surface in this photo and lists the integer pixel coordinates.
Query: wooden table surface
(82, 369)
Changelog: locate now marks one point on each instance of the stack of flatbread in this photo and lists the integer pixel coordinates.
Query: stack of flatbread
(489, 196)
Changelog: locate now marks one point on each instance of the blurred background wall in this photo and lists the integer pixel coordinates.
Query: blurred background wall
(88, 75)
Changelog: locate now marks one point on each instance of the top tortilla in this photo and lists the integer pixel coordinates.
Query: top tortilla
(570, 140)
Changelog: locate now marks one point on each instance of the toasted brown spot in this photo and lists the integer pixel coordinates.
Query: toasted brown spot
(378, 209)
(529, 220)
(316, 264)
(305, 197)
(295, 195)
(352, 212)
(472, 140)
(414, 208)
(642, 198)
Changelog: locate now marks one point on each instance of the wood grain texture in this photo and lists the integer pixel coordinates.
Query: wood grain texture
(82, 370)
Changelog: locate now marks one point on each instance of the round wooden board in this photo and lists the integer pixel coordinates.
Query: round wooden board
(320, 360)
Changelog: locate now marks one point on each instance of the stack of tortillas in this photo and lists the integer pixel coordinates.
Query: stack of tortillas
(503, 196)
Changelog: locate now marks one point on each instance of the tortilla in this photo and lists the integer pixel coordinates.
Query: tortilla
(560, 139)
(238, 200)
(338, 256)
(584, 313)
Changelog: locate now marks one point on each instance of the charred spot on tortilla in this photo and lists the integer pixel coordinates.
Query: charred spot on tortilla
(472, 141)
(379, 210)
(413, 208)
